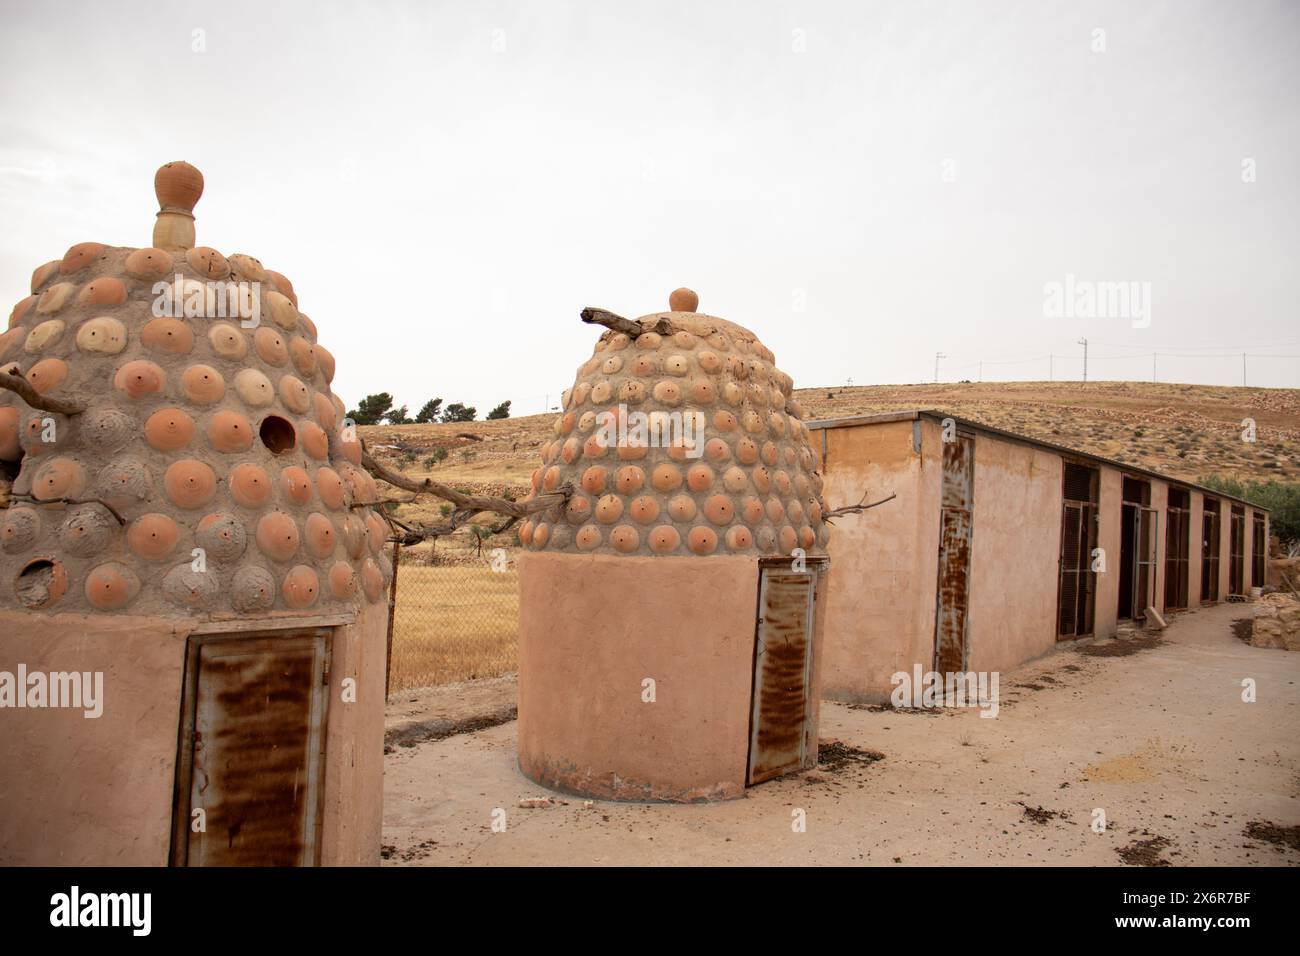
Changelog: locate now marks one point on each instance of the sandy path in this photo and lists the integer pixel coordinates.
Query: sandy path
(1160, 740)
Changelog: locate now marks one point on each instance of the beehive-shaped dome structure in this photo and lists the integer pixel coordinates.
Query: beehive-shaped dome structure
(694, 486)
(185, 525)
(201, 429)
(684, 439)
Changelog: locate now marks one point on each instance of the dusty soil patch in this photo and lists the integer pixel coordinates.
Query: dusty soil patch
(417, 851)
(1120, 648)
(1288, 837)
(1145, 852)
(1140, 765)
(1243, 629)
(891, 709)
(835, 755)
(418, 733)
(1039, 815)
(433, 713)
(949, 790)
(1131, 768)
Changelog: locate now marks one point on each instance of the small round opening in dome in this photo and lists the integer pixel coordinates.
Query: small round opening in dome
(40, 583)
(278, 434)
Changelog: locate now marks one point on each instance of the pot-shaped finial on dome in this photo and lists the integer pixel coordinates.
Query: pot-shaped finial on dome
(683, 300)
(178, 187)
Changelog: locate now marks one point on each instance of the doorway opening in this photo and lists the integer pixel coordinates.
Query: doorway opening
(1210, 552)
(1258, 550)
(1137, 550)
(1076, 592)
(1178, 541)
(1237, 552)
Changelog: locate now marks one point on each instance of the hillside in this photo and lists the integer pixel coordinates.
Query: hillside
(1187, 431)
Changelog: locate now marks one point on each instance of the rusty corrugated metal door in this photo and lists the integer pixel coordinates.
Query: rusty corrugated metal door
(255, 757)
(956, 521)
(782, 663)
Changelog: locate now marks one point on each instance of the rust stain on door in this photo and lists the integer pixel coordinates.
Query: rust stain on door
(956, 522)
(255, 763)
(782, 665)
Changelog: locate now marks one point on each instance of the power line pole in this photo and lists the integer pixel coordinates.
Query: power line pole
(1243, 369)
(937, 356)
(1084, 343)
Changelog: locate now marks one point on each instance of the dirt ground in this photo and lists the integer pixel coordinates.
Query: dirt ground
(1156, 736)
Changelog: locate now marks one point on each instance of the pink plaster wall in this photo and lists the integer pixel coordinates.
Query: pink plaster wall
(96, 792)
(1110, 508)
(1194, 596)
(584, 651)
(1015, 551)
(353, 810)
(92, 792)
(1225, 546)
(884, 561)
(1160, 502)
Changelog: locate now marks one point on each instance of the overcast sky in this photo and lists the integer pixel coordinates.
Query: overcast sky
(862, 184)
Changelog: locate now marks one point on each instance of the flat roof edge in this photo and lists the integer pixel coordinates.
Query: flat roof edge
(935, 414)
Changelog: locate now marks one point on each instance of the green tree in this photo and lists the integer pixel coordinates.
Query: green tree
(371, 409)
(1281, 498)
(398, 416)
(501, 411)
(456, 412)
(429, 411)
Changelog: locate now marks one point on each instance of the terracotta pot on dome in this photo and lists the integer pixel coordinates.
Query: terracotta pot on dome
(178, 185)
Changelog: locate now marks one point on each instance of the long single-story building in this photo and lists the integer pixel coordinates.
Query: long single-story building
(998, 546)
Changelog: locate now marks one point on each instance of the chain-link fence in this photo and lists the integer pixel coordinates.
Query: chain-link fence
(454, 618)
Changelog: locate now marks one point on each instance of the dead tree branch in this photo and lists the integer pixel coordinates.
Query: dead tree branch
(857, 509)
(23, 389)
(628, 327)
(472, 503)
(409, 534)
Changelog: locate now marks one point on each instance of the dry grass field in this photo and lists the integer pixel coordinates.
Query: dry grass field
(457, 619)
(453, 622)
